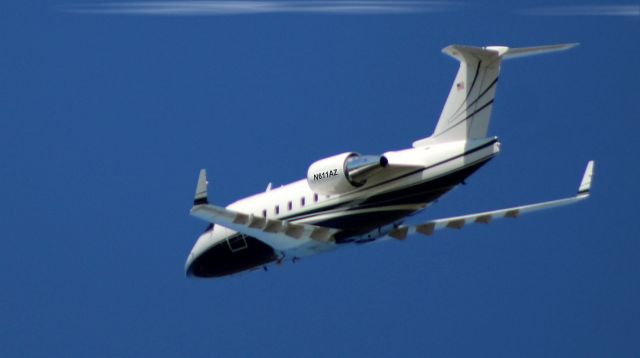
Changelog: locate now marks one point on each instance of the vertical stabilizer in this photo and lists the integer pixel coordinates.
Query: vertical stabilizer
(467, 111)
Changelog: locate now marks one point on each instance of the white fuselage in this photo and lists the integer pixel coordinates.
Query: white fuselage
(363, 213)
(349, 198)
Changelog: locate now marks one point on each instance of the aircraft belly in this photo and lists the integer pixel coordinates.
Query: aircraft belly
(362, 223)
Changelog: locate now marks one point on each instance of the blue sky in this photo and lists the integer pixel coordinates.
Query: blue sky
(106, 117)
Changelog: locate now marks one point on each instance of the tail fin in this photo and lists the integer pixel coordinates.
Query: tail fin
(467, 111)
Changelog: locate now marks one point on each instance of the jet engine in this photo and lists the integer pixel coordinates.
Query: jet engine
(343, 173)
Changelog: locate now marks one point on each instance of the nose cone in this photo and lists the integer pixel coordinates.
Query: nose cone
(188, 266)
(204, 242)
(217, 254)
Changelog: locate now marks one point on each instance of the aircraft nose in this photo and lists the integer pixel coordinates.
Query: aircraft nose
(201, 246)
(213, 256)
(188, 266)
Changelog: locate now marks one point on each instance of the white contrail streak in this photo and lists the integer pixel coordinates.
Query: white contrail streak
(245, 7)
(584, 10)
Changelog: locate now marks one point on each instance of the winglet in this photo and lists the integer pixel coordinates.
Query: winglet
(201, 189)
(585, 184)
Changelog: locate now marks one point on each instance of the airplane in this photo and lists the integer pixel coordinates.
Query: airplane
(350, 199)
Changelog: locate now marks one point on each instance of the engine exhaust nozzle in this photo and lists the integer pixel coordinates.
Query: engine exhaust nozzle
(360, 168)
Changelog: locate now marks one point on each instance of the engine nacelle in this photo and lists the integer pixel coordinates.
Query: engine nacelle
(343, 173)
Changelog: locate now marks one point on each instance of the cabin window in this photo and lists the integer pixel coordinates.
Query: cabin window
(277, 209)
(302, 201)
(264, 213)
(289, 206)
(315, 198)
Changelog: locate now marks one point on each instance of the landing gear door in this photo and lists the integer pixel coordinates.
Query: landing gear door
(237, 243)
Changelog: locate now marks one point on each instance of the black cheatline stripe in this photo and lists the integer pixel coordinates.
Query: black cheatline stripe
(323, 210)
(362, 222)
(439, 163)
(472, 103)
(473, 83)
(369, 210)
(408, 194)
(412, 195)
(316, 210)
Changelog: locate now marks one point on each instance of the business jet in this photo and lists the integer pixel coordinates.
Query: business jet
(350, 199)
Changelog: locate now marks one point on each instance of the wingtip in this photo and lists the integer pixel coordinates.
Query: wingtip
(201, 196)
(585, 184)
(567, 46)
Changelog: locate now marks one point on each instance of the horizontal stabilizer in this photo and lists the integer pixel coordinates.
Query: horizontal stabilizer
(458, 222)
(531, 51)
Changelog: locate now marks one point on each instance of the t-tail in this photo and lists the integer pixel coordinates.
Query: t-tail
(467, 112)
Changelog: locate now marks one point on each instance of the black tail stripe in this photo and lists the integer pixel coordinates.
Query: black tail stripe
(479, 97)
(471, 104)
(484, 92)
(473, 83)
(479, 109)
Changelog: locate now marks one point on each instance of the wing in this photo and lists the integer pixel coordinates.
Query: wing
(458, 222)
(279, 234)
